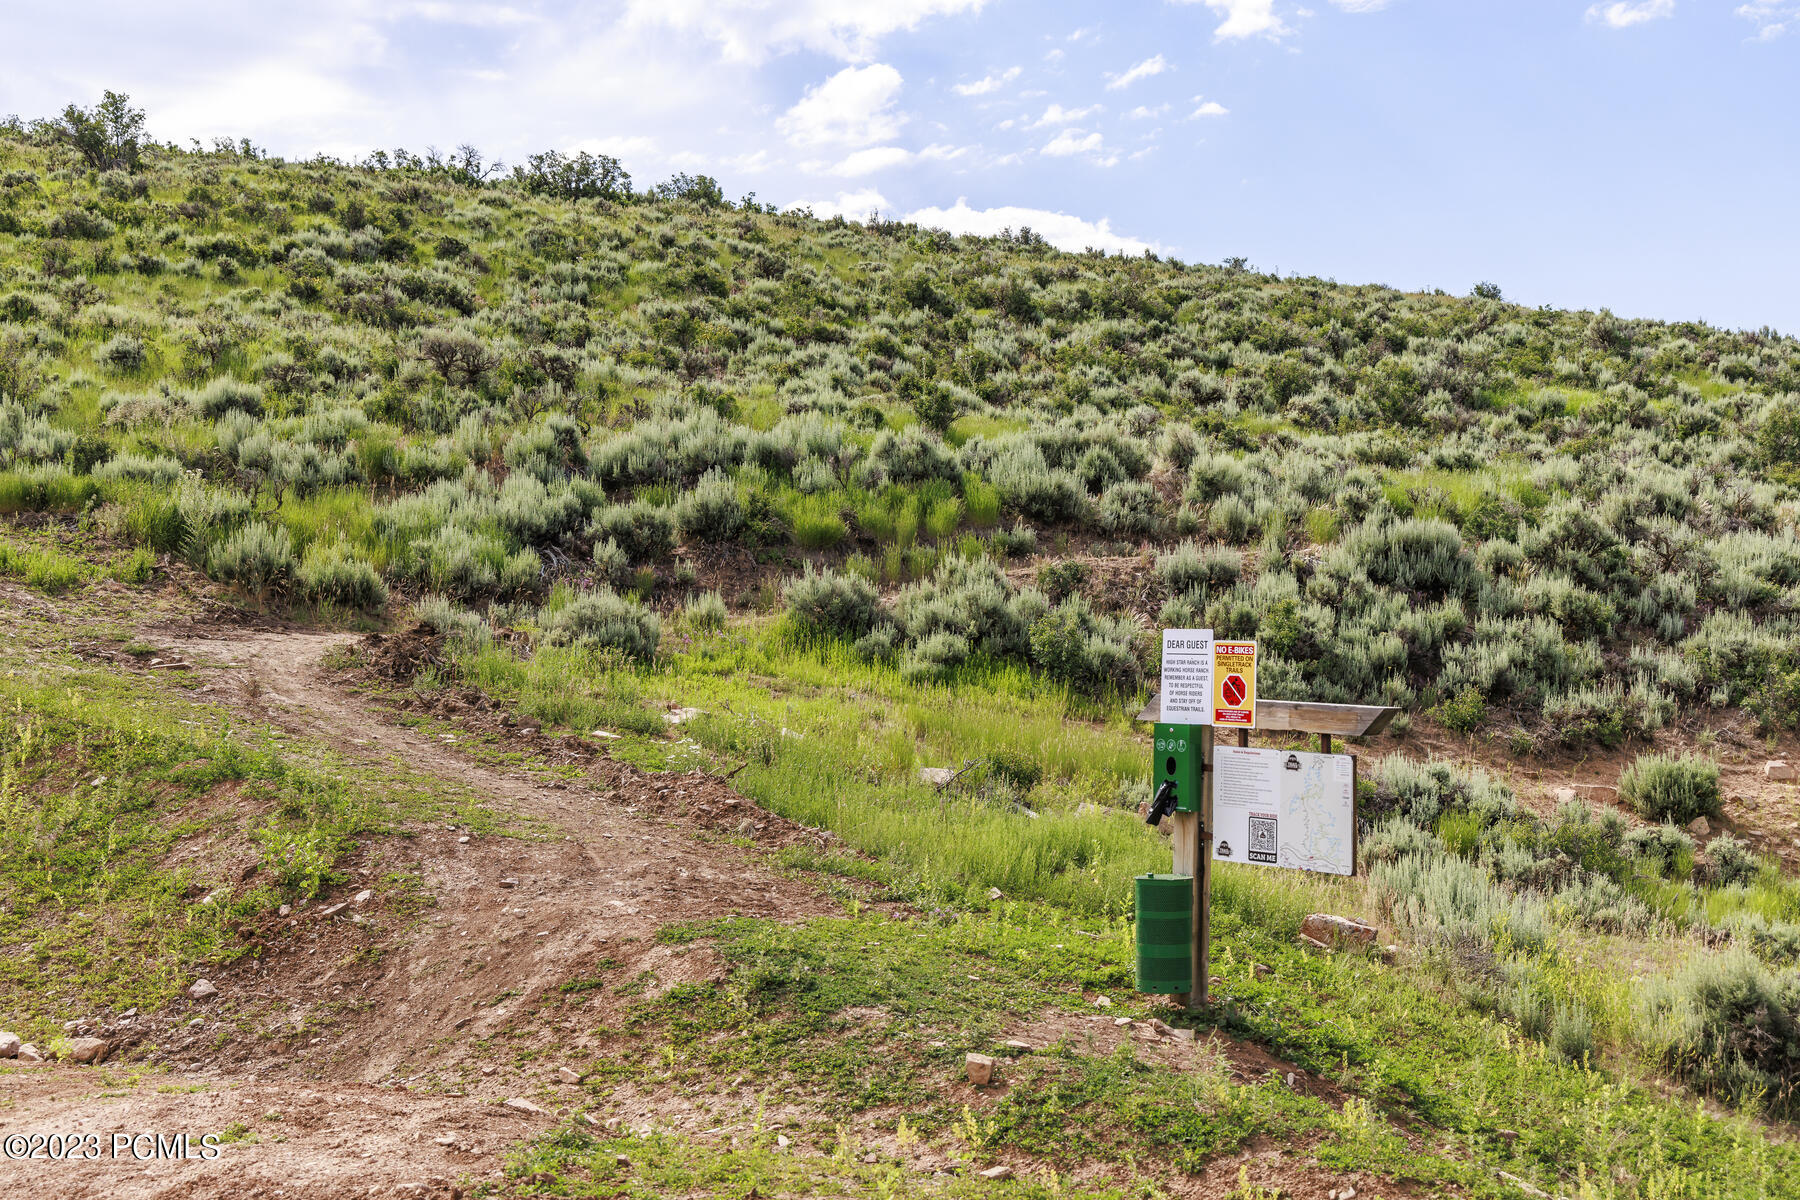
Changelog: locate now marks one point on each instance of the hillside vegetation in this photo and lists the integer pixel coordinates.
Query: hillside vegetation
(855, 500)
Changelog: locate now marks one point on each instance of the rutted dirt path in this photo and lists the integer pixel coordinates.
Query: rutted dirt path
(387, 1040)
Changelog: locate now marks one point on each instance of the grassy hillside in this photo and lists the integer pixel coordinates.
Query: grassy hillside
(877, 498)
(315, 381)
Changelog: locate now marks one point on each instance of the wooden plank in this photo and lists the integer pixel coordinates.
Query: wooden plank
(1184, 840)
(1300, 716)
(1201, 996)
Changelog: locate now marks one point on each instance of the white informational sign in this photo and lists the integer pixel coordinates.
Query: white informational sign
(1283, 808)
(1187, 680)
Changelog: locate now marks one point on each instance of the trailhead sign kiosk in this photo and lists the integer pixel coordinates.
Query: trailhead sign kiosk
(1286, 809)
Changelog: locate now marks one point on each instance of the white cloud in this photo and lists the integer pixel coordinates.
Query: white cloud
(622, 148)
(884, 158)
(1208, 108)
(1622, 14)
(855, 107)
(1245, 19)
(1059, 229)
(1074, 141)
(876, 158)
(1771, 17)
(1144, 113)
(479, 15)
(1056, 114)
(750, 30)
(1154, 65)
(987, 83)
(1360, 6)
(853, 206)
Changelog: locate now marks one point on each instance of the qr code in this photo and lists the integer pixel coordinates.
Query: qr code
(1263, 839)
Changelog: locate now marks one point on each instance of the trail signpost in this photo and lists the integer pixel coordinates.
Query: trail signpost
(1267, 807)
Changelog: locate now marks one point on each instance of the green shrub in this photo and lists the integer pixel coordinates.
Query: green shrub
(1727, 1024)
(611, 562)
(607, 620)
(333, 575)
(453, 622)
(256, 559)
(1665, 849)
(123, 352)
(644, 531)
(1463, 712)
(1027, 483)
(838, 605)
(1664, 788)
(1128, 509)
(1729, 862)
(1415, 555)
(1059, 580)
(711, 511)
(1190, 566)
(1016, 542)
(224, 395)
(911, 456)
(1091, 653)
(1015, 769)
(706, 612)
(160, 471)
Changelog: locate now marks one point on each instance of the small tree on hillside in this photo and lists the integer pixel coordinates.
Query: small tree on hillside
(108, 135)
(585, 176)
(701, 189)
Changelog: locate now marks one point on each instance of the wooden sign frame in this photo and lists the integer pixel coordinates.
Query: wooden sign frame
(1191, 832)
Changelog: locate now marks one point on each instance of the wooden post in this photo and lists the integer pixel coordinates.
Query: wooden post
(1191, 836)
(1202, 992)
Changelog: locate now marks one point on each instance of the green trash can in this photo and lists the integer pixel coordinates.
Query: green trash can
(1165, 934)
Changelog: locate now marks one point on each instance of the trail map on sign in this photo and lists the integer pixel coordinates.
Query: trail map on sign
(1282, 808)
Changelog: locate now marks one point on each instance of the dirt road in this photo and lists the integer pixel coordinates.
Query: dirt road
(371, 1048)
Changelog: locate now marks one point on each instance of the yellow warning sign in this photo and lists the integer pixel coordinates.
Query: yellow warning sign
(1234, 684)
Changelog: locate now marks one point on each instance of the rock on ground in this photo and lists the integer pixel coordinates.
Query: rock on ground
(1332, 930)
(980, 1069)
(9, 1045)
(89, 1050)
(202, 989)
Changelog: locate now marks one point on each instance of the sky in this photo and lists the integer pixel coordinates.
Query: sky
(1640, 155)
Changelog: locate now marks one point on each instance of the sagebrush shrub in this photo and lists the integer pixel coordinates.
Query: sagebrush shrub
(711, 512)
(1665, 788)
(1190, 566)
(644, 531)
(706, 612)
(607, 620)
(838, 605)
(1728, 1024)
(124, 352)
(256, 559)
(333, 575)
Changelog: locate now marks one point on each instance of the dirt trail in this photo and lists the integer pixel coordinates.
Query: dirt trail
(360, 1025)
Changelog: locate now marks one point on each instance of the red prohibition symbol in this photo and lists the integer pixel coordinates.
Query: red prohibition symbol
(1233, 689)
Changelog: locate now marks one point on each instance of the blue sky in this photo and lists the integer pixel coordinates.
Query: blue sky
(1636, 154)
